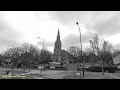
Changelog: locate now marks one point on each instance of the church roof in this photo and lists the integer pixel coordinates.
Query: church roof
(64, 51)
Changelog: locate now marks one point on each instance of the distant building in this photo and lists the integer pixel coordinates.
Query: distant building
(57, 48)
(59, 54)
(116, 60)
(74, 50)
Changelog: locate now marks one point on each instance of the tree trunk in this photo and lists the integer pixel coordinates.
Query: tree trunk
(102, 69)
(12, 67)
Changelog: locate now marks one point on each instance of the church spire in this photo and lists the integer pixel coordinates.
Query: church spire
(57, 48)
(58, 35)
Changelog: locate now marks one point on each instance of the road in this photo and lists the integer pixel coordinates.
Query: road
(52, 74)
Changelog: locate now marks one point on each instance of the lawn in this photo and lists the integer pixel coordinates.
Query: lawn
(21, 74)
(15, 75)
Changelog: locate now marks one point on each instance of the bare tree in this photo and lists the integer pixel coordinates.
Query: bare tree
(12, 54)
(26, 46)
(107, 51)
(101, 48)
(95, 44)
(116, 52)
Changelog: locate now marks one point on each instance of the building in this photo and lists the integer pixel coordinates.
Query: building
(116, 60)
(57, 48)
(59, 54)
(66, 56)
(74, 50)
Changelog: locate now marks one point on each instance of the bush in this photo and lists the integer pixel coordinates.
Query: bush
(18, 65)
(99, 69)
(35, 67)
(95, 69)
(112, 69)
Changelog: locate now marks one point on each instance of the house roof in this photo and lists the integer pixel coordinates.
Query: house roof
(117, 57)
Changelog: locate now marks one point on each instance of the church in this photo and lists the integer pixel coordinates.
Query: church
(59, 54)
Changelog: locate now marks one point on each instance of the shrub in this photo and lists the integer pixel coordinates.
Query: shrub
(112, 69)
(95, 69)
(99, 69)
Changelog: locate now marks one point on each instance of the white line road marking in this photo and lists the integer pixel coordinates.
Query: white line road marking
(37, 78)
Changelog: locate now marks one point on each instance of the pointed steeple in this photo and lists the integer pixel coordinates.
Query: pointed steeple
(57, 48)
(58, 32)
(58, 35)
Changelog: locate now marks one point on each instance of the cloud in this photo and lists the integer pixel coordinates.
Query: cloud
(67, 17)
(73, 40)
(70, 40)
(114, 39)
(117, 46)
(109, 26)
(8, 36)
(101, 22)
(16, 27)
(47, 44)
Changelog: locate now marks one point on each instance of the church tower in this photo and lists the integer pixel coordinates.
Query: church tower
(57, 48)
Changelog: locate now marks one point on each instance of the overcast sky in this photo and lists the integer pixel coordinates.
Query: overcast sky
(17, 27)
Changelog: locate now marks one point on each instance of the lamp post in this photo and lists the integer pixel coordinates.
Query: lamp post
(43, 49)
(81, 46)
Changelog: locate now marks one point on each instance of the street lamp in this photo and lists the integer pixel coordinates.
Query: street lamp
(43, 42)
(81, 45)
(43, 47)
